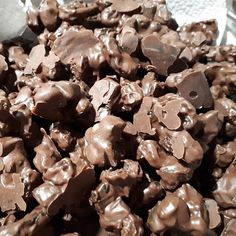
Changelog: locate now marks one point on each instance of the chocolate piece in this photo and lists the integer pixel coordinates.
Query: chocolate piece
(229, 230)
(225, 154)
(182, 210)
(169, 168)
(102, 139)
(89, 46)
(29, 224)
(161, 55)
(175, 112)
(65, 185)
(76, 11)
(171, 110)
(131, 94)
(104, 94)
(46, 154)
(13, 155)
(32, 18)
(38, 58)
(193, 86)
(18, 56)
(7, 121)
(54, 100)
(229, 214)
(123, 179)
(213, 212)
(117, 217)
(128, 39)
(110, 17)
(198, 33)
(226, 108)
(169, 213)
(182, 145)
(28, 129)
(120, 61)
(152, 192)
(48, 14)
(144, 119)
(125, 6)
(225, 190)
(63, 136)
(130, 129)
(195, 202)
(208, 126)
(11, 192)
(151, 86)
(222, 53)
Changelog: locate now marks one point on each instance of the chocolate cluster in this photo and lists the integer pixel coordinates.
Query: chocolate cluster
(117, 122)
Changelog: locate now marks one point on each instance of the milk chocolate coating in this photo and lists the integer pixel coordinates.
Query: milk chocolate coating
(60, 191)
(213, 212)
(63, 136)
(46, 154)
(193, 86)
(75, 52)
(131, 95)
(177, 211)
(171, 171)
(225, 189)
(161, 55)
(229, 229)
(198, 33)
(118, 218)
(28, 225)
(48, 14)
(117, 122)
(105, 93)
(102, 140)
(76, 11)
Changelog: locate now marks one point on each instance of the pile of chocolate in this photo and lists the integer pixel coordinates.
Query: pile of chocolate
(117, 123)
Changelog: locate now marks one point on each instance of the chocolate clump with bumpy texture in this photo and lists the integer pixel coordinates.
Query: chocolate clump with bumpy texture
(117, 122)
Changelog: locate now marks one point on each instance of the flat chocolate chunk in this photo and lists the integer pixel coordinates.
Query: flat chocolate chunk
(168, 115)
(174, 112)
(128, 39)
(78, 44)
(213, 212)
(38, 57)
(11, 192)
(161, 55)
(125, 5)
(193, 86)
(143, 118)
